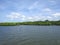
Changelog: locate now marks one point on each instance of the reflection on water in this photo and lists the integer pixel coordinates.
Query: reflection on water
(29, 35)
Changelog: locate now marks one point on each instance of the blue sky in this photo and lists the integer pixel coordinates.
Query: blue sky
(29, 10)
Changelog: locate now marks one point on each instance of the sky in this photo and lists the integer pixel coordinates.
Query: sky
(29, 10)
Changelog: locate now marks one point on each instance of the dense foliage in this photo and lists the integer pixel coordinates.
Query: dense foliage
(31, 23)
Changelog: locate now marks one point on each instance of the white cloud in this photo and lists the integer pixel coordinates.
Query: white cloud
(18, 16)
(56, 14)
(47, 10)
(36, 18)
(49, 17)
(33, 5)
(52, 2)
(30, 19)
(15, 15)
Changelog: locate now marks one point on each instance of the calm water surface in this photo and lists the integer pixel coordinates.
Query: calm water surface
(29, 35)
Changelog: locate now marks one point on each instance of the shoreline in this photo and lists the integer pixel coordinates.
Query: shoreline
(39, 23)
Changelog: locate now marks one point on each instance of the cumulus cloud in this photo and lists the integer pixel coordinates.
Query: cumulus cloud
(39, 18)
(15, 15)
(49, 18)
(33, 18)
(18, 16)
(56, 14)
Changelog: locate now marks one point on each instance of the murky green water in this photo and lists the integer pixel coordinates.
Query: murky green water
(29, 35)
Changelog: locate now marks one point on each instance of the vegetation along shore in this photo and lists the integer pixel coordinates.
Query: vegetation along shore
(46, 22)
